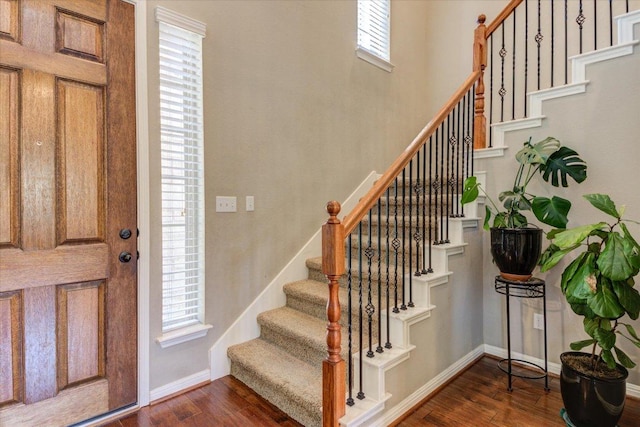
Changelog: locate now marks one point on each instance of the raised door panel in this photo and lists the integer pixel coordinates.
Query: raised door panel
(9, 19)
(9, 163)
(79, 36)
(10, 348)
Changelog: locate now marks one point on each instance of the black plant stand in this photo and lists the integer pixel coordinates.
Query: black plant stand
(532, 288)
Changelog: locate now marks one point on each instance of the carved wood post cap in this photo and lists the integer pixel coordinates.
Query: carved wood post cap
(481, 19)
(333, 209)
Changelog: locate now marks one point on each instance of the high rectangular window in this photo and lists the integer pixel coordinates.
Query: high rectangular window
(374, 27)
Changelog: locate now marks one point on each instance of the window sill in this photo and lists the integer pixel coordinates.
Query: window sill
(365, 55)
(183, 335)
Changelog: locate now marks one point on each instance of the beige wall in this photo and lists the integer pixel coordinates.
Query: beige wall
(295, 119)
(603, 126)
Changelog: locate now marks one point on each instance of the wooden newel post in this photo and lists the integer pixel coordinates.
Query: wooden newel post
(333, 367)
(479, 64)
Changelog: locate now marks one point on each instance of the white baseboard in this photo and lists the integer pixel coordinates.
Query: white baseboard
(633, 390)
(246, 327)
(180, 385)
(416, 397)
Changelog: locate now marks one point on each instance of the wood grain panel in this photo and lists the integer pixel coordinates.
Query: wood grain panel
(79, 36)
(10, 348)
(27, 269)
(65, 66)
(71, 405)
(40, 340)
(121, 172)
(10, 19)
(81, 350)
(9, 159)
(80, 163)
(38, 161)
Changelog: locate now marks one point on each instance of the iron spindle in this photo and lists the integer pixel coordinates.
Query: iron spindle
(417, 214)
(502, 91)
(526, 53)
(513, 69)
(566, 41)
(409, 237)
(396, 247)
(610, 22)
(350, 400)
(431, 180)
(388, 343)
(580, 19)
(404, 239)
(379, 348)
(360, 394)
(538, 39)
(424, 204)
(369, 308)
(553, 40)
(490, 90)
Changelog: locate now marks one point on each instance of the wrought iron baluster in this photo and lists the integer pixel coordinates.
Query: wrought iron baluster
(538, 38)
(431, 198)
(502, 91)
(610, 22)
(370, 309)
(513, 68)
(457, 174)
(526, 54)
(350, 400)
(449, 178)
(580, 19)
(553, 39)
(424, 203)
(396, 247)
(404, 240)
(490, 90)
(566, 42)
(595, 25)
(360, 394)
(417, 190)
(379, 348)
(388, 225)
(464, 145)
(442, 184)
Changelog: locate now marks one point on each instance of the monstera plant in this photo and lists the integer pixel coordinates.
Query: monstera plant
(599, 286)
(515, 243)
(547, 158)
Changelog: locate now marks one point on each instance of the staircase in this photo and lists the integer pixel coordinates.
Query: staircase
(284, 364)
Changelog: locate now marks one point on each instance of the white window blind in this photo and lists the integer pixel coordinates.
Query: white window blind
(374, 27)
(182, 163)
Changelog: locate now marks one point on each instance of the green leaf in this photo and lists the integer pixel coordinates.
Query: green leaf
(590, 325)
(552, 257)
(631, 331)
(581, 309)
(616, 260)
(571, 269)
(470, 190)
(501, 220)
(487, 218)
(552, 211)
(606, 339)
(607, 356)
(583, 284)
(624, 359)
(604, 303)
(538, 153)
(574, 236)
(628, 235)
(628, 297)
(603, 203)
(579, 345)
(564, 162)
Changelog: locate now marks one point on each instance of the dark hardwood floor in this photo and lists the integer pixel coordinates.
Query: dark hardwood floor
(478, 397)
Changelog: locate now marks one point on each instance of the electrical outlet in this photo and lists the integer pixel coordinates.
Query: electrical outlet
(250, 203)
(538, 321)
(226, 204)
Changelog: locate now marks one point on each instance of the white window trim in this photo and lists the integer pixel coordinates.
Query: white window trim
(374, 59)
(178, 336)
(199, 330)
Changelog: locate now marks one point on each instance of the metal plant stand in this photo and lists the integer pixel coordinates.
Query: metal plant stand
(532, 288)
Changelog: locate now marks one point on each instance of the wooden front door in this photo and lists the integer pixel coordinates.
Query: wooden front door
(68, 301)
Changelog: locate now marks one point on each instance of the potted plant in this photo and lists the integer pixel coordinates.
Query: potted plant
(599, 286)
(515, 243)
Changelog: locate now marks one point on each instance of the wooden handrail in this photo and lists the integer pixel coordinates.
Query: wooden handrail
(508, 10)
(371, 198)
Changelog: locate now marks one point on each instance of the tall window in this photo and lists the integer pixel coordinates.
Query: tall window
(374, 30)
(182, 161)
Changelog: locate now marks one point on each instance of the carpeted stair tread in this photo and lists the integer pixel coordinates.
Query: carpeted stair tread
(289, 383)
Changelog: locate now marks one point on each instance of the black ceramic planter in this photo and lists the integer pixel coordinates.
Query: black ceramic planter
(592, 402)
(516, 251)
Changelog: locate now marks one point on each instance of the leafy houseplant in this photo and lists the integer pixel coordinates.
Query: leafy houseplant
(598, 285)
(516, 246)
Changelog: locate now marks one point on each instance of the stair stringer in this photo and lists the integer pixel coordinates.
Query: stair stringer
(579, 63)
(373, 409)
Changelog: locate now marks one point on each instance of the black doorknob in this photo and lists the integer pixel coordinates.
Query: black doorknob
(125, 257)
(125, 233)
